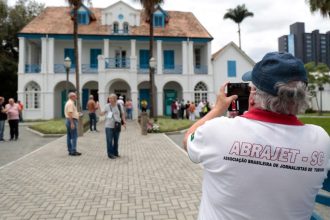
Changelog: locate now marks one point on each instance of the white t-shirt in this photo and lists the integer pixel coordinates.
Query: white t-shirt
(259, 166)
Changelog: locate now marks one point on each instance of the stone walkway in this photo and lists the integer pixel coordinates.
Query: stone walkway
(153, 179)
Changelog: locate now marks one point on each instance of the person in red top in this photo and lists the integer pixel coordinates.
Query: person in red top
(12, 109)
(21, 110)
(129, 108)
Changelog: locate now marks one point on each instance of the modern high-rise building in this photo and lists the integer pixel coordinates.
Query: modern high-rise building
(308, 47)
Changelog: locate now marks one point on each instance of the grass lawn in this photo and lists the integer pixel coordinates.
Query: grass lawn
(168, 124)
(56, 126)
(323, 122)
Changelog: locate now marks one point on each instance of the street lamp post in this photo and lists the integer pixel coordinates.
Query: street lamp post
(321, 89)
(152, 65)
(67, 65)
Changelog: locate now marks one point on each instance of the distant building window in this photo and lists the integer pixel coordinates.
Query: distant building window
(69, 52)
(120, 17)
(32, 96)
(231, 68)
(144, 59)
(115, 27)
(168, 59)
(83, 17)
(200, 91)
(159, 20)
(198, 58)
(125, 27)
(94, 53)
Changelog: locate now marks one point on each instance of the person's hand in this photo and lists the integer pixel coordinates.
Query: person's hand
(124, 125)
(223, 102)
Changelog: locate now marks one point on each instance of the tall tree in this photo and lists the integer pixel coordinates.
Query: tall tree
(75, 5)
(318, 76)
(320, 5)
(12, 20)
(238, 14)
(149, 8)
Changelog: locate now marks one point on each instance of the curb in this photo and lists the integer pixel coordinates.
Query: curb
(44, 135)
(176, 132)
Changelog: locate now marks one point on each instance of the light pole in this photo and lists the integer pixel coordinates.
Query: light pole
(152, 65)
(321, 89)
(67, 65)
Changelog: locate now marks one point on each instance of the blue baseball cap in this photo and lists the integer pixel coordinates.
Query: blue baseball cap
(276, 67)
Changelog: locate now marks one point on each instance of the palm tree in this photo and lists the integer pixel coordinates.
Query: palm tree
(149, 8)
(238, 14)
(320, 5)
(75, 5)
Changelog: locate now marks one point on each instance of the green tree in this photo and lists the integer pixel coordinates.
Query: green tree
(238, 14)
(318, 76)
(12, 20)
(149, 9)
(320, 5)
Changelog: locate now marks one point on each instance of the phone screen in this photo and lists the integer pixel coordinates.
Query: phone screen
(241, 104)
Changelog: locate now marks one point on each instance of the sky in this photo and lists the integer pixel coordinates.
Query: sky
(259, 33)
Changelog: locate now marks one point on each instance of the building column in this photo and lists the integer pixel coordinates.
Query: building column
(191, 69)
(209, 59)
(44, 52)
(79, 57)
(159, 57)
(133, 56)
(135, 101)
(21, 63)
(106, 48)
(160, 102)
(51, 46)
(184, 58)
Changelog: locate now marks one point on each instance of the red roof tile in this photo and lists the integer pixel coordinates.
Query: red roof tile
(56, 20)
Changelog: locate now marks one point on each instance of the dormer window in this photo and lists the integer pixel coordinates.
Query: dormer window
(83, 17)
(115, 27)
(125, 27)
(159, 20)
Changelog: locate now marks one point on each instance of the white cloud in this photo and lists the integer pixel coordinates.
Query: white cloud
(259, 33)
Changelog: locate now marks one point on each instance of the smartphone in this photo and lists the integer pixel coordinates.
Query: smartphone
(242, 90)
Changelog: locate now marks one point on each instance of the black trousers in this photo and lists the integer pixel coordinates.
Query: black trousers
(13, 125)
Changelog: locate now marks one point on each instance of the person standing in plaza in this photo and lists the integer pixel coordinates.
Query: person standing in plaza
(192, 109)
(92, 107)
(114, 118)
(265, 164)
(12, 109)
(3, 117)
(129, 109)
(21, 106)
(71, 123)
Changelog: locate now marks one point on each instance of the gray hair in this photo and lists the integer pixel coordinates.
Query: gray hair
(113, 95)
(291, 99)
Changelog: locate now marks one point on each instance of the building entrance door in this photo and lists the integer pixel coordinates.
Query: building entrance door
(169, 96)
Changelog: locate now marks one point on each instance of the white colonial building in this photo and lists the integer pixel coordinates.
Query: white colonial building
(114, 58)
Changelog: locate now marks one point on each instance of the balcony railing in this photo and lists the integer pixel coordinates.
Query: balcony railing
(89, 68)
(120, 31)
(59, 68)
(200, 69)
(32, 68)
(117, 63)
(172, 69)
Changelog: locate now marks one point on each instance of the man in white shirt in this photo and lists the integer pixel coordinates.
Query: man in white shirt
(265, 164)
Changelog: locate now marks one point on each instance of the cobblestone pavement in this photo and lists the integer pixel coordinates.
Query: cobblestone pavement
(153, 179)
(27, 142)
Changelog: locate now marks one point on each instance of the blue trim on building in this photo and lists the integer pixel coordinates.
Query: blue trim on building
(114, 37)
(94, 52)
(169, 59)
(231, 68)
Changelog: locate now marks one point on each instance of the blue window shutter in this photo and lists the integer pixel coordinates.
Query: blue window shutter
(144, 59)
(231, 68)
(93, 57)
(168, 59)
(85, 96)
(69, 52)
(159, 20)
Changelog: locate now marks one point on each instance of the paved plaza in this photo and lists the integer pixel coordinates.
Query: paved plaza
(153, 179)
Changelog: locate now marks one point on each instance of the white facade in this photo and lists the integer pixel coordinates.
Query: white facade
(119, 69)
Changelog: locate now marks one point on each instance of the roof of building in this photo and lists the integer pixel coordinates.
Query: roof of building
(57, 20)
(232, 44)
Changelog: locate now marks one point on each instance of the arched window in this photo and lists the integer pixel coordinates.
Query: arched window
(200, 92)
(32, 96)
(115, 27)
(125, 27)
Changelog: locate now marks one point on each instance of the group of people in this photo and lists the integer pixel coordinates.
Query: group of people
(13, 113)
(189, 109)
(115, 118)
